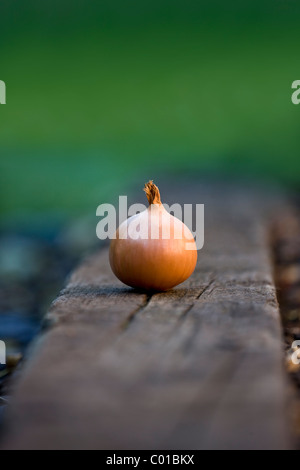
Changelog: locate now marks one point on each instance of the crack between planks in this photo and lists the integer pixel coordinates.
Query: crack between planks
(125, 325)
(132, 316)
(189, 308)
(205, 289)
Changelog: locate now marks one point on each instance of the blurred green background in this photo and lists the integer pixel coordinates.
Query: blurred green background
(105, 94)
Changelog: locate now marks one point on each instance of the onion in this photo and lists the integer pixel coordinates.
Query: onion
(153, 250)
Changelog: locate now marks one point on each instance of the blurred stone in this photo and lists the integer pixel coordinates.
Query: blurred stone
(293, 332)
(288, 252)
(20, 258)
(292, 315)
(79, 236)
(16, 296)
(292, 368)
(290, 364)
(289, 275)
(17, 328)
(4, 372)
(293, 297)
(12, 360)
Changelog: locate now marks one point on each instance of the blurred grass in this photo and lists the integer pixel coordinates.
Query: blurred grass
(96, 100)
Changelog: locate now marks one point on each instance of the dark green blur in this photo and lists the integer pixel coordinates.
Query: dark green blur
(105, 94)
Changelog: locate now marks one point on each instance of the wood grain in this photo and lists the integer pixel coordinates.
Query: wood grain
(199, 367)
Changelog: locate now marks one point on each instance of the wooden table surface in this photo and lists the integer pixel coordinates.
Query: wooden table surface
(199, 367)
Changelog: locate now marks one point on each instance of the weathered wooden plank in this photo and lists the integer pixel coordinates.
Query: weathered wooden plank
(197, 367)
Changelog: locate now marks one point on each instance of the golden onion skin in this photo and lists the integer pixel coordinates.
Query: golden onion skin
(153, 264)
